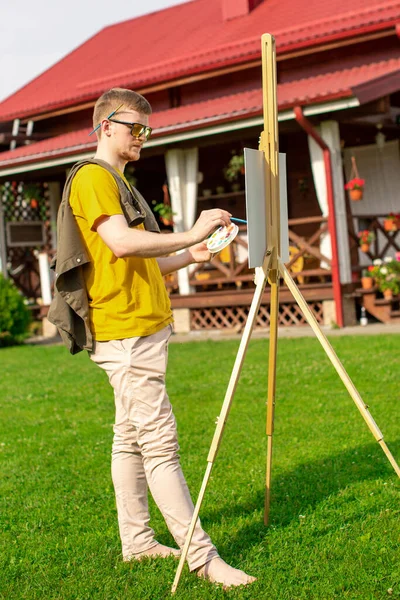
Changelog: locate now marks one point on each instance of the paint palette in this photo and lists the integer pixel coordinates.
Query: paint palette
(222, 237)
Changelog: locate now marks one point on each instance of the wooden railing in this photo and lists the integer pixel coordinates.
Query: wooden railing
(308, 263)
(386, 242)
(229, 269)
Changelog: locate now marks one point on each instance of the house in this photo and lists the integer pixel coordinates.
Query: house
(199, 66)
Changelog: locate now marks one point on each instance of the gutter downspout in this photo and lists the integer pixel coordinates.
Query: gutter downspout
(309, 129)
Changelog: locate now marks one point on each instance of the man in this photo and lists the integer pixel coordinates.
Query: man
(130, 320)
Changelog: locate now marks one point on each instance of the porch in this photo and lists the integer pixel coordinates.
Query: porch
(221, 291)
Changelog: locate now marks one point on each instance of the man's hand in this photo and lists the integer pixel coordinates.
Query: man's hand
(199, 253)
(208, 222)
(195, 254)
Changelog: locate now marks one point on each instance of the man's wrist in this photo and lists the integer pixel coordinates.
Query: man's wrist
(189, 260)
(191, 237)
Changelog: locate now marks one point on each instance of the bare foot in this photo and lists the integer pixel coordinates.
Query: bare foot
(156, 551)
(218, 571)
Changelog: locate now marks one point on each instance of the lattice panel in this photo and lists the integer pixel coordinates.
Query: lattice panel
(25, 202)
(235, 317)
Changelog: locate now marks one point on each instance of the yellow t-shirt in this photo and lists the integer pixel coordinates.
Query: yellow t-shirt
(127, 296)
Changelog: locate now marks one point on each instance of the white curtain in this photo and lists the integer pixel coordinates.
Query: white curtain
(329, 131)
(182, 167)
(318, 170)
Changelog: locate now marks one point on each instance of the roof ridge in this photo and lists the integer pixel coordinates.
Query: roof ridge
(341, 17)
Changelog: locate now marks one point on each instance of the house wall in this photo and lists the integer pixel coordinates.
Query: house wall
(380, 167)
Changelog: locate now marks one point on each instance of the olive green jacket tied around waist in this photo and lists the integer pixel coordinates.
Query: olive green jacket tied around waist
(69, 309)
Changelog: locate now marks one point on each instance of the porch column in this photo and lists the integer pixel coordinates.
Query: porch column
(329, 131)
(181, 166)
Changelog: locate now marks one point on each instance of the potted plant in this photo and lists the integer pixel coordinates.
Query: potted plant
(392, 222)
(164, 211)
(32, 194)
(355, 187)
(234, 169)
(390, 287)
(367, 278)
(365, 239)
(387, 276)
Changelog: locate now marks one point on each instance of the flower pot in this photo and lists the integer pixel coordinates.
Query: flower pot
(356, 195)
(364, 247)
(388, 294)
(390, 225)
(367, 283)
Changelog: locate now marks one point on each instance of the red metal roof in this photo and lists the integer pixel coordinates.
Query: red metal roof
(366, 82)
(190, 38)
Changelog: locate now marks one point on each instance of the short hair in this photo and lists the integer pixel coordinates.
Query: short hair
(110, 100)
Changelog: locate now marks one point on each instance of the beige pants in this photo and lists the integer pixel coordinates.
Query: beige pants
(145, 446)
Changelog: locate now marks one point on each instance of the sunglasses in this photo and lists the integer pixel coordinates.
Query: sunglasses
(137, 129)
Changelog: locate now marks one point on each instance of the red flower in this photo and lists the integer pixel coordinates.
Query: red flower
(366, 236)
(355, 184)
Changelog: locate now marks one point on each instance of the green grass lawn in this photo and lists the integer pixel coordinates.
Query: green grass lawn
(334, 524)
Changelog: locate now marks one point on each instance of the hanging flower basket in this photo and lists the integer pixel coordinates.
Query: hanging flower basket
(235, 167)
(355, 186)
(356, 194)
(366, 237)
(392, 222)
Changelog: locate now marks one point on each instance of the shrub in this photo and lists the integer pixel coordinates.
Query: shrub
(14, 315)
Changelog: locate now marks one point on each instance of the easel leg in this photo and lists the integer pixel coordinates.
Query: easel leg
(273, 342)
(261, 279)
(362, 407)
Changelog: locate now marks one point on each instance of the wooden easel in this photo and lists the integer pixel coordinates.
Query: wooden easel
(270, 272)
